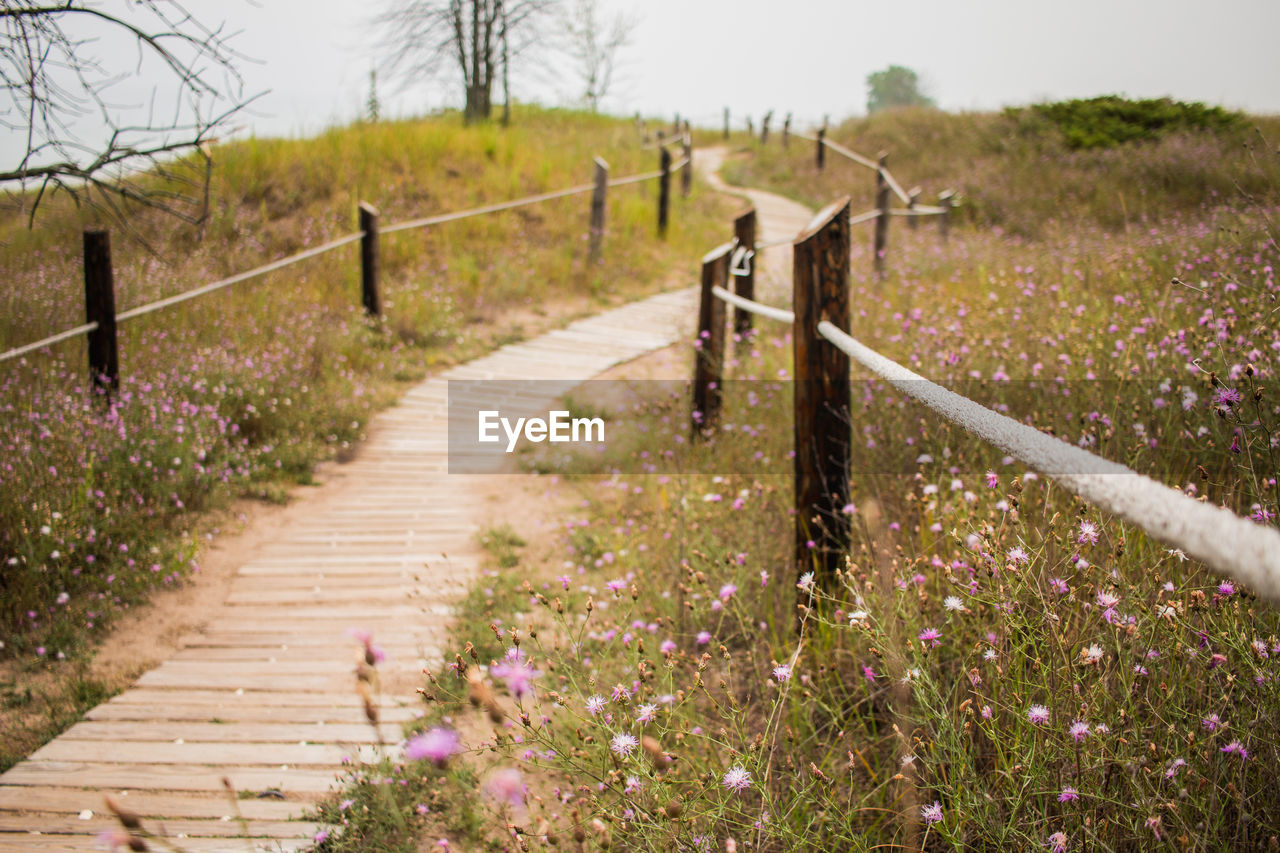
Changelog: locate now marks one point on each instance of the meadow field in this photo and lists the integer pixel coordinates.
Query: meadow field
(999, 666)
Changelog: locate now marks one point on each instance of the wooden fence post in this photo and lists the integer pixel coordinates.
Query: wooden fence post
(881, 245)
(744, 231)
(751, 128)
(675, 126)
(764, 127)
(913, 199)
(664, 192)
(822, 148)
(726, 122)
(686, 174)
(597, 209)
(100, 308)
(786, 131)
(822, 394)
(708, 360)
(369, 260)
(946, 199)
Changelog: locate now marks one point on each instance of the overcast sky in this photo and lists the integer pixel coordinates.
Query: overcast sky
(811, 57)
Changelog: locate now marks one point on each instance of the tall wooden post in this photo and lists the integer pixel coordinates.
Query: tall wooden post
(751, 128)
(946, 199)
(675, 125)
(686, 174)
(786, 131)
(821, 152)
(664, 192)
(744, 282)
(822, 394)
(597, 210)
(764, 127)
(369, 260)
(100, 308)
(708, 362)
(913, 199)
(726, 122)
(881, 245)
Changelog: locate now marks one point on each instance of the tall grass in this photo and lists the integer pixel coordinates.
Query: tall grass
(998, 666)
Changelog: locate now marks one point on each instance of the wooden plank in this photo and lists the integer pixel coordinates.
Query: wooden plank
(225, 698)
(79, 844)
(264, 713)
(177, 830)
(207, 754)
(164, 777)
(148, 805)
(167, 732)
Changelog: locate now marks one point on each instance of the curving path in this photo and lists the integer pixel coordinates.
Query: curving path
(264, 695)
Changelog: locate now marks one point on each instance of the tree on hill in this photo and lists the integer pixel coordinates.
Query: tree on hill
(63, 69)
(895, 86)
(593, 43)
(474, 40)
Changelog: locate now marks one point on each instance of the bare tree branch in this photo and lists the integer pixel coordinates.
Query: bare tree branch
(78, 139)
(459, 40)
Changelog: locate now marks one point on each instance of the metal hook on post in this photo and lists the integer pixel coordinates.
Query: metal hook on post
(740, 261)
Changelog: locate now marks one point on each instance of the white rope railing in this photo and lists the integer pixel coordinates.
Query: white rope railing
(852, 155)
(1214, 535)
(864, 217)
(442, 218)
(753, 307)
(48, 342)
(236, 279)
(895, 186)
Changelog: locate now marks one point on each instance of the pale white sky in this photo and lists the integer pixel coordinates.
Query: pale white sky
(807, 56)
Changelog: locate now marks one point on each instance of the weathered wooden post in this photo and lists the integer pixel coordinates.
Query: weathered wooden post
(913, 199)
(946, 199)
(786, 131)
(751, 128)
(708, 363)
(726, 122)
(664, 191)
(686, 173)
(822, 394)
(764, 127)
(881, 244)
(597, 209)
(100, 308)
(369, 260)
(822, 148)
(744, 280)
(675, 125)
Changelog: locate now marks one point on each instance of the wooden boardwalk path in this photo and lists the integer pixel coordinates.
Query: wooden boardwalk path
(264, 695)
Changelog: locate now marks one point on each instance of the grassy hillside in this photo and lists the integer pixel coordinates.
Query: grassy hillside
(241, 392)
(1023, 172)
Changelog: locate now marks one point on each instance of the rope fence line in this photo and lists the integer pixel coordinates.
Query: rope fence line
(1214, 535)
(236, 279)
(49, 341)
(1225, 542)
(363, 235)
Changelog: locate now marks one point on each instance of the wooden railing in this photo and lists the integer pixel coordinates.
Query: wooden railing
(102, 319)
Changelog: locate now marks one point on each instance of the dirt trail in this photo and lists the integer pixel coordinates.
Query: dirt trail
(255, 679)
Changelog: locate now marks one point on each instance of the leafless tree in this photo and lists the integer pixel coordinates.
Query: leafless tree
(61, 69)
(593, 44)
(477, 39)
